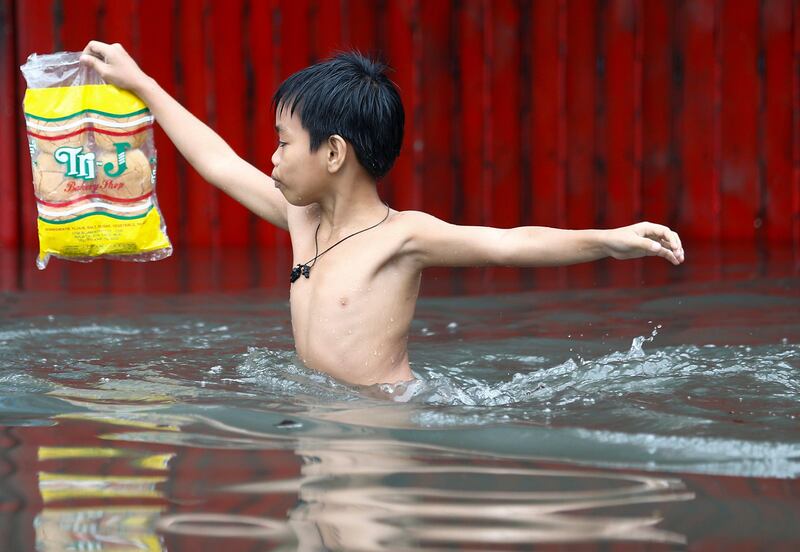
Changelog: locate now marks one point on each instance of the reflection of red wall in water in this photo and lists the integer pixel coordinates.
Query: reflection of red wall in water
(569, 114)
(193, 474)
(191, 478)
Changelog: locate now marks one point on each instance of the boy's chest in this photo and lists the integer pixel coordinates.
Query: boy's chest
(350, 284)
(338, 277)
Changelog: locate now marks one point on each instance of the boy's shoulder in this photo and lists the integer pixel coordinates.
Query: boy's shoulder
(399, 221)
(409, 224)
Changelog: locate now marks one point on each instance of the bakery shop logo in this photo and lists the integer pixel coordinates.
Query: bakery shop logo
(81, 165)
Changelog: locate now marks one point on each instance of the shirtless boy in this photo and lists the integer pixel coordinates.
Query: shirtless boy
(340, 127)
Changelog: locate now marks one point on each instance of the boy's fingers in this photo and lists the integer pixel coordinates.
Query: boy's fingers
(93, 62)
(654, 248)
(666, 234)
(668, 238)
(97, 49)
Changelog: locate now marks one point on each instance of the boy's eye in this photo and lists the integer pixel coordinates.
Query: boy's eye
(281, 144)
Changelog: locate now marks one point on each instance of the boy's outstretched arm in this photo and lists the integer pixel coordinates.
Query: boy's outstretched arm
(203, 148)
(433, 242)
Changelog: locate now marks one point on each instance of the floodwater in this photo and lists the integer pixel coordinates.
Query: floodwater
(600, 410)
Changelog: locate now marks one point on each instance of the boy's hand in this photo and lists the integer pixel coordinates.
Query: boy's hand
(644, 239)
(114, 64)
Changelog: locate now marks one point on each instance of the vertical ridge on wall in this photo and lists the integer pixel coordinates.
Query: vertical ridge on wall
(487, 172)
(699, 213)
(37, 38)
(622, 116)
(505, 127)
(9, 131)
(738, 119)
(191, 92)
(525, 94)
(179, 234)
(404, 190)
(229, 71)
(325, 28)
(777, 126)
(360, 29)
(545, 97)
(437, 100)
(603, 102)
(657, 113)
(457, 134)
(472, 138)
(295, 52)
(581, 76)
(796, 131)
(75, 29)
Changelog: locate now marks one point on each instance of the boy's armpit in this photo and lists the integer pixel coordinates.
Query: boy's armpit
(434, 242)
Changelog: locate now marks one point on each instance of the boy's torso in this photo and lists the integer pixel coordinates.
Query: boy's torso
(351, 317)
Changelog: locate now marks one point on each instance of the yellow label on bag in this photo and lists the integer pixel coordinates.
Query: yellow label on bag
(102, 234)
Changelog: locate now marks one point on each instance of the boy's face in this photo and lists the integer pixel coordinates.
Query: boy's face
(298, 173)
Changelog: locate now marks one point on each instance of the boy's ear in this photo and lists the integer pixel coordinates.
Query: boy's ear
(337, 153)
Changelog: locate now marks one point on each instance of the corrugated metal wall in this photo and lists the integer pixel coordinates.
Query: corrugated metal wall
(569, 113)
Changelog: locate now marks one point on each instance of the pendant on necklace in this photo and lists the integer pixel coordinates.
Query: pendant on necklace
(300, 269)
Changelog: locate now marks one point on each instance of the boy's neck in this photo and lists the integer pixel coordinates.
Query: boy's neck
(350, 205)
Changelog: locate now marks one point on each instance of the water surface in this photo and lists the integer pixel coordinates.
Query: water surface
(662, 414)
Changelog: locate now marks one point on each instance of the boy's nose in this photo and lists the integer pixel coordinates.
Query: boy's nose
(275, 158)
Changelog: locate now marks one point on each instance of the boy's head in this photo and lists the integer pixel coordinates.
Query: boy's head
(350, 96)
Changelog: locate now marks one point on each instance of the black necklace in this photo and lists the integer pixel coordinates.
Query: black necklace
(305, 268)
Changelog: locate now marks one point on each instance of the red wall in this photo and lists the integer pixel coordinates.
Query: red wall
(556, 112)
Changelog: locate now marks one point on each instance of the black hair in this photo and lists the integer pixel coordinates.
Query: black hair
(349, 95)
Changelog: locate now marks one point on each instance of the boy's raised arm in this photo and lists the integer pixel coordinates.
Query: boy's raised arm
(203, 148)
(433, 242)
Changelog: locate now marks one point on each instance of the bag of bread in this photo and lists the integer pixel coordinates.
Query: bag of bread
(94, 165)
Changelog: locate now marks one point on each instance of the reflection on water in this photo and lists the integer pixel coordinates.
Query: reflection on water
(118, 528)
(350, 493)
(657, 415)
(354, 497)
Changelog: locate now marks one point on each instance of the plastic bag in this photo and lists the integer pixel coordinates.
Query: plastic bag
(94, 165)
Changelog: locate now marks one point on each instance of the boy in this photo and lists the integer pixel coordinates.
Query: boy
(357, 262)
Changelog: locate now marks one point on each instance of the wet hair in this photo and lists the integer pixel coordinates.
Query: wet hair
(349, 95)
